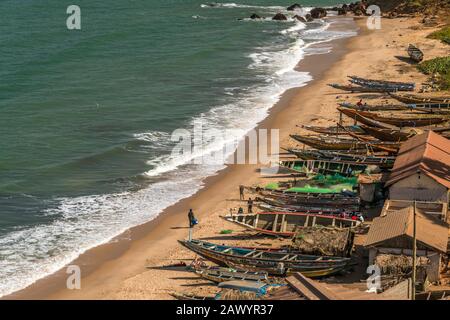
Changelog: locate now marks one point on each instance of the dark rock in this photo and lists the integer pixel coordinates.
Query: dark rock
(308, 18)
(255, 16)
(279, 16)
(294, 7)
(299, 18)
(318, 13)
(341, 11)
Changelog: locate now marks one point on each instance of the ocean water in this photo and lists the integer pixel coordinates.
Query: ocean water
(86, 116)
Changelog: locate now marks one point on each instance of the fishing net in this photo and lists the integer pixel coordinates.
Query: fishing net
(336, 179)
(272, 186)
(398, 264)
(230, 294)
(323, 241)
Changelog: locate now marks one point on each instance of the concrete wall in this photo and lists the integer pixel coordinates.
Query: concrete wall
(418, 187)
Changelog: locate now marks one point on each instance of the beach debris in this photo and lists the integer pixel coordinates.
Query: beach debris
(280, 17)
(226, 231)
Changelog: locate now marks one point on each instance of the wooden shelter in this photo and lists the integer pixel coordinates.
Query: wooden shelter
(422, 169)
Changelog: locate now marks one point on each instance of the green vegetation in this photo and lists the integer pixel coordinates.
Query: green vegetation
(226, 231)
(443, 35)
(440, 67)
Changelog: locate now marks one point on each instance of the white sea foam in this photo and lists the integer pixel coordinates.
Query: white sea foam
(237, 5)
(85, 222)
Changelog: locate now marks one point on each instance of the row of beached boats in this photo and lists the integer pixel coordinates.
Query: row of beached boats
(323, 198)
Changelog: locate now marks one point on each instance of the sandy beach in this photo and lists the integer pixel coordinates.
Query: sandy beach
(119, 269)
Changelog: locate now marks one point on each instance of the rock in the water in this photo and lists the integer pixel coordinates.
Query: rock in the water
(318, 13)
(279, 16)
(308, 18)
(341, 12)
(294, 7)
(255, 16)
(299, 18)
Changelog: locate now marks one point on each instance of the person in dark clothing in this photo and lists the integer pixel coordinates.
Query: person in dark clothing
(250, 205)
(241, 192)
(240, 210)
(192, 222)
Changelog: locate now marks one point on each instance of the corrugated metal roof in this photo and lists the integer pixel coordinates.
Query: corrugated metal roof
(427, 153)
(430, 231)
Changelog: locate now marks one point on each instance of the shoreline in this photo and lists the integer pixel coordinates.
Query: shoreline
(117, 270)
(94, 259)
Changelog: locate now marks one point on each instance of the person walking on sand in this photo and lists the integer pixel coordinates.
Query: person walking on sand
(192, 222)
(250, 205)
(241, 192)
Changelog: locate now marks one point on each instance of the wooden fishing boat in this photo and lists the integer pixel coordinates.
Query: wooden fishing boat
(389, 134)
(279, 262)
(432, 110)
(331, 143)
(399, 122)
(286, 224)
(333, 130)
(323, 167)
(316, 200)
(415, 53)
(359, 118)
(345, 157)
(221, 274)
(387, 107)
(361, 89)
(268, 204)
(303, 195)
(405, 86)
(409, 98)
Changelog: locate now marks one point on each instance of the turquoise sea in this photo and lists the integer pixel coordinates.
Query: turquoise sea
(86, 115)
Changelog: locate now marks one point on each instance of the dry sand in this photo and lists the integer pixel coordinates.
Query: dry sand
(118, 270)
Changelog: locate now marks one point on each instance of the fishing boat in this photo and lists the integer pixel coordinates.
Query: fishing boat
(345, 157)
(415, 53)
(386, 107)
(273, 205)
(433, 108)
(287, 224)
(409, 98)
(404, 86)
(390, 134)
(306, 192)
(361, 89)
(221, 274)
(278, 262)
(333, 130)
(395, 121)
(331, 143)
(359, 118)
(323, 167)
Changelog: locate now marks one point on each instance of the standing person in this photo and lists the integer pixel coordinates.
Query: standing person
(250, 205)
(192, 222)
(240, 211)
(241, 192)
